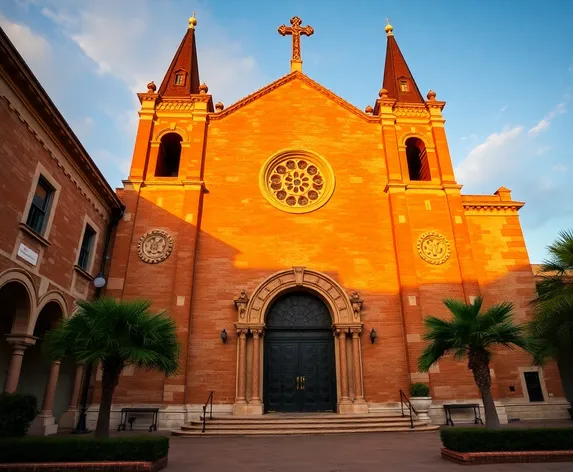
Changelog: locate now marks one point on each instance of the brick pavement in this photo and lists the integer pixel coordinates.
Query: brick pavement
(391, 452)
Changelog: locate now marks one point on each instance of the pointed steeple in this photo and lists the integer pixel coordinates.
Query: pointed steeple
(398, 80)
(182, 78)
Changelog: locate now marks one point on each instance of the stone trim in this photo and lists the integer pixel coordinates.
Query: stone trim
(286, 79)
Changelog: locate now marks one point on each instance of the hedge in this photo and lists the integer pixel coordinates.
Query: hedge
(507, 439)
(17, 411)
(83, 449)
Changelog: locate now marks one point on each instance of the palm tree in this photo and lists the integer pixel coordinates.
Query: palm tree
(551, 330)
(472, 334)
(115, 334)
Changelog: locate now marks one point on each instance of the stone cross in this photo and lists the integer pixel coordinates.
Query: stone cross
(295, 30)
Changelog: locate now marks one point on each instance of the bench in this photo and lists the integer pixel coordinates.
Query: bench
(125, 418)
(448, 407)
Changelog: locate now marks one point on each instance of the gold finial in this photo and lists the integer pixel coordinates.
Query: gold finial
(389, 29)
(192, 21)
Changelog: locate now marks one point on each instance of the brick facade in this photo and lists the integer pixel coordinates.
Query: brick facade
(40, 278)
(366, 237)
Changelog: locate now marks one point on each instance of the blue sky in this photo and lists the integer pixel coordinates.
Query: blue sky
(504, 67)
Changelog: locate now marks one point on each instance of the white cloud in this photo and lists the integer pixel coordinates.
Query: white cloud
(33, 47)
(136, 45)
(545, 122)
(489, 157)
(503, 108)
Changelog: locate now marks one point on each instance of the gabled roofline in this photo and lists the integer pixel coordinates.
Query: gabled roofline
(25, 82)
(284, 80)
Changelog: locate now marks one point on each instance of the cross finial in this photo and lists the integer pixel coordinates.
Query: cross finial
(296, 30)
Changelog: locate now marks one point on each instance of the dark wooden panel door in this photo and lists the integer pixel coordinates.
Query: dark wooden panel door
(299, 369)
(318, 389)
(299, 376)
(281, 370)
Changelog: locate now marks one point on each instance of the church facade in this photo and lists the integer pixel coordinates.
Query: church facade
(299, 242)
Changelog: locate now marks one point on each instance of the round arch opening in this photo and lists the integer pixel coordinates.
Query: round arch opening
(299, 360)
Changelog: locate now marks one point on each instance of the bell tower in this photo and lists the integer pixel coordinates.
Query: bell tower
(423, 195)
(412, 128)
(171, 119)
(155, 244)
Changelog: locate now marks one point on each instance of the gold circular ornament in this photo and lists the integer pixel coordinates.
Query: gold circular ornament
(155, 246)
(297, 181)
(434, 248)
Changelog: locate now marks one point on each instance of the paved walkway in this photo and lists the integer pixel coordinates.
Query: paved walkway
(373, 452)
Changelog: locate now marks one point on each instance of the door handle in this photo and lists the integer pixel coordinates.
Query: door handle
(302, 380)
(298, 383)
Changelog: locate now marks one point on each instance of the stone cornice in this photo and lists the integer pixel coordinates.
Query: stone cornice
(492, 208)
(286, 79)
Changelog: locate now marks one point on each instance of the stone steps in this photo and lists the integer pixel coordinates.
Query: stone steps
(279, 424)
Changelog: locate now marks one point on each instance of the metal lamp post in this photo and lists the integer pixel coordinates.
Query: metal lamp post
(81, 428)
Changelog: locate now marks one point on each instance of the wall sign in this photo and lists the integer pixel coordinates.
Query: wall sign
(28, 254)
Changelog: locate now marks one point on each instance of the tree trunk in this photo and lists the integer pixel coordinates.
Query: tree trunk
(565, 365)
(109, 381)
(479, 365)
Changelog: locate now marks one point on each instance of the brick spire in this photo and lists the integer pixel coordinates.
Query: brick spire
(182, 78)
(398, 79)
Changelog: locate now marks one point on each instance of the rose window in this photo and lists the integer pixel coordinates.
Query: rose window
(297, 181)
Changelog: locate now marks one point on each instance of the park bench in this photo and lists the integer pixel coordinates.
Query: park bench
(448, 407)
(127, 416)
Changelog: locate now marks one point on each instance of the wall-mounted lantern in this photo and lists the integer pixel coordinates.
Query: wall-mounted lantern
(373, 335)
(224, 336)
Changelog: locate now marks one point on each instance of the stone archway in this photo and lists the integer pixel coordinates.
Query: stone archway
(346, 326)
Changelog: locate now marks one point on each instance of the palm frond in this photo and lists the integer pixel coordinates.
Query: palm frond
(117, 333)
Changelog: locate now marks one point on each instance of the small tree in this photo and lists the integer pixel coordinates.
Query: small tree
(472, 334)
(115, 334)
(551, 330)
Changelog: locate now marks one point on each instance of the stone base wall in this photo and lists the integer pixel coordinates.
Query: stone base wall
(524, 411)
(173, 416)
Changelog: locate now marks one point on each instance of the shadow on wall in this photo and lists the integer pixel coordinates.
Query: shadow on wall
(246, 252)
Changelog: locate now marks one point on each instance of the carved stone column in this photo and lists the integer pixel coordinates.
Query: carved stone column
(19, 345)
(44, 423)
(255, 405)
(360, 405)
(344, 405)
(68, 419)
(241, 371)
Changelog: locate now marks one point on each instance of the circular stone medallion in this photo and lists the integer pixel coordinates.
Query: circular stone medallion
(155, 246)
(297, 181)
(433, 248)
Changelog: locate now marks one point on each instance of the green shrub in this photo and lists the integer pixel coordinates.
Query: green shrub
(509, 439)
(419, 390)
(17, 411)
(83, 449)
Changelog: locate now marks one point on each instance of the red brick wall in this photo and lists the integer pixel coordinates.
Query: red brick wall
(20, 152)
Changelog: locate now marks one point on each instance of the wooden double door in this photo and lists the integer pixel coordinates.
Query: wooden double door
(299, 367)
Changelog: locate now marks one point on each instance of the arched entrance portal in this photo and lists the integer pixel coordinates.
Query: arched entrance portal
(299, 367)
(274, 321)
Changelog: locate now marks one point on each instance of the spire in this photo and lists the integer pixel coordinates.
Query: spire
(398, 79)
(182, 77)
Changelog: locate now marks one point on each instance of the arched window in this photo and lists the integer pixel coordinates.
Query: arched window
(169, 156)
(418, 167)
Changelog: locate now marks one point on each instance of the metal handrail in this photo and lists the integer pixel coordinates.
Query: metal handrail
(204, 417)
(405, 399)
